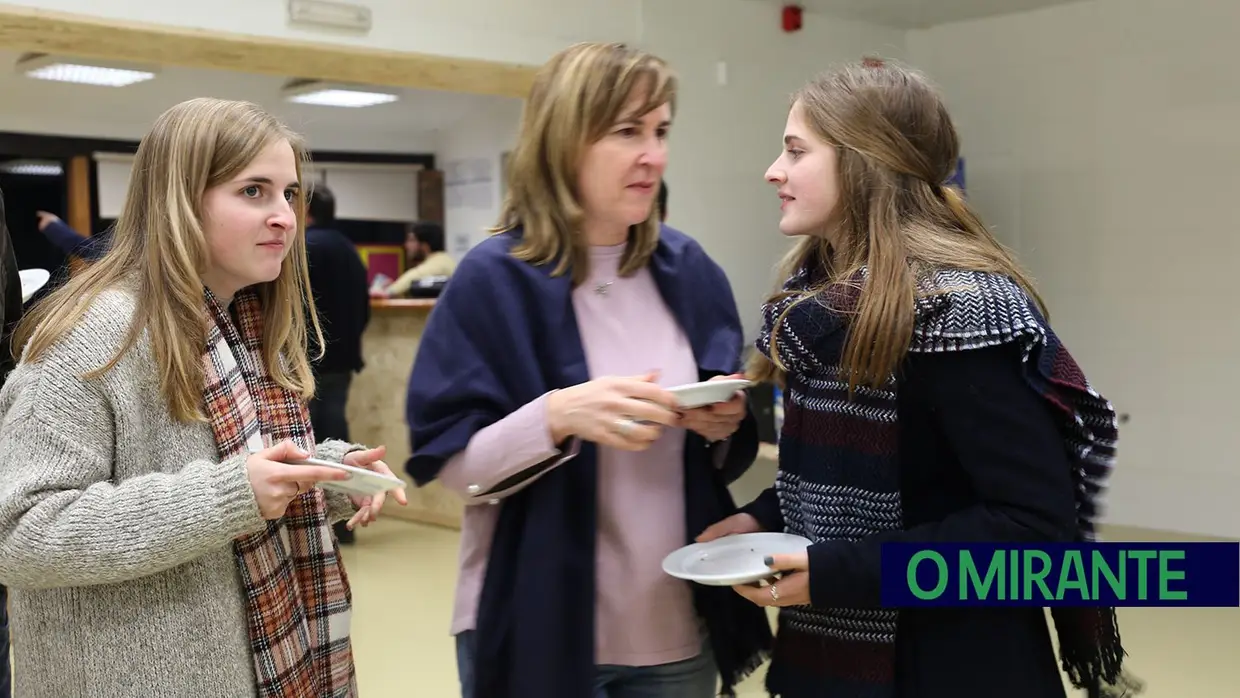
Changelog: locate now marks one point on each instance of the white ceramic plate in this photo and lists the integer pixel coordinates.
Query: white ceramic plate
(361, 481)
(708, 392)
(731, 560)
(32, 281)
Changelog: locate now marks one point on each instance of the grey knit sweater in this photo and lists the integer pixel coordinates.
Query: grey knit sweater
(116, 525)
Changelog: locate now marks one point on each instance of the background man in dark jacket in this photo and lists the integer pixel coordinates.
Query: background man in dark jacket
(341, 295)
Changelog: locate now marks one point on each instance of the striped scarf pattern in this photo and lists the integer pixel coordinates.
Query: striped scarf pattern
(298, 601)
(851, 652)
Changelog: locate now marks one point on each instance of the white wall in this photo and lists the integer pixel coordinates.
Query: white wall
(724, 138)
(528, 31)
(469, 155)
(1101, 141)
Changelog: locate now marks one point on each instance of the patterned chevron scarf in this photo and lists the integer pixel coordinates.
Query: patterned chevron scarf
(957, 310)
(297, 595)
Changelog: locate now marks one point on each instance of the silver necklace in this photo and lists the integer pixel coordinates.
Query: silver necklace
(603, 289)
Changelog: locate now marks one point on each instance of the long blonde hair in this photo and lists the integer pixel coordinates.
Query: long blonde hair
(577, 97)
(896, 217)
(159, 252)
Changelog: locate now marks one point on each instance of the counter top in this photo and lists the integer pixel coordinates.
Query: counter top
(402, 303)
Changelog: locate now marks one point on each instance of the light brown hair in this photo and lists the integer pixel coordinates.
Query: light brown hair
(577, 97)
(159, 252)
(896, 217)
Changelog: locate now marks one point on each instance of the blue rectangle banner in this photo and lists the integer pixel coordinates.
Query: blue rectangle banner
(1060, 574)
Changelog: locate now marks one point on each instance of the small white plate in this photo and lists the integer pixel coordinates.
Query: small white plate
(32, 281)
(361, 481)
(708, 392)
(731, 560)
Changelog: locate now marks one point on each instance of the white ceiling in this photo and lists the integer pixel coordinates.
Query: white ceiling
(919, 13)
(407, 125)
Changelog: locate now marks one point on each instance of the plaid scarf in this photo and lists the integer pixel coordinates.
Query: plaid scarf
(956, 311)
(297, 595)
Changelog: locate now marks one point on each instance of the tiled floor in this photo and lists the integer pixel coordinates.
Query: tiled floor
(402, 576)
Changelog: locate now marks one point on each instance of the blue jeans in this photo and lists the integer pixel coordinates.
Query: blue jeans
(691, 678)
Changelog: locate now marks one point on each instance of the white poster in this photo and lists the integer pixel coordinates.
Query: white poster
(469, 183)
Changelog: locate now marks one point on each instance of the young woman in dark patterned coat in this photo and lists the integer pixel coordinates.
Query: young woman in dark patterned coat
(927, 401)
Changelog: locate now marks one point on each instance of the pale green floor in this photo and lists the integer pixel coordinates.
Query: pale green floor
(402, 576)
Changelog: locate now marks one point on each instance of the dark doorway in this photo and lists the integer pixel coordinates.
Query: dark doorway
(372, 232)
(30, 186)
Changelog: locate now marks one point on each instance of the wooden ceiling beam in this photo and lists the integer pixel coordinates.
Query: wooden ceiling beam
(28, 29)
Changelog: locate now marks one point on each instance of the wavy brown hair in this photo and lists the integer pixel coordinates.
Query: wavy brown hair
(896, 218)
(159, 253)
(577, 97)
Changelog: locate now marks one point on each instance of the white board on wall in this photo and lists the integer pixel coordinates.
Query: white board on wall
(112, 172)
(363, 191)
(372, 192)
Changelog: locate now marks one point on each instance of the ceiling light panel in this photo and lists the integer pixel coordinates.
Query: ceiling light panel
(338, 97)
(81, 72)
(32, 168)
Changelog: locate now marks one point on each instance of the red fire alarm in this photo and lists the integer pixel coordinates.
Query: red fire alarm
(792, 18)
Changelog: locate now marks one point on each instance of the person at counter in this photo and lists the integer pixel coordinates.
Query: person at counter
(425, 247)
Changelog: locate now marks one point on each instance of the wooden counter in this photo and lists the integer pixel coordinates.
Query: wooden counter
(376, 409)
(425, 304)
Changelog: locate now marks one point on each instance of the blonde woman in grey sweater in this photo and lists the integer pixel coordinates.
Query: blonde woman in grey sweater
(156, 534)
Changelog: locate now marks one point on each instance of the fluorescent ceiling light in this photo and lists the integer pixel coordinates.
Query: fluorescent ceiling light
(32, 168)
(328, 94)
(343, 98)
(82, 72)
